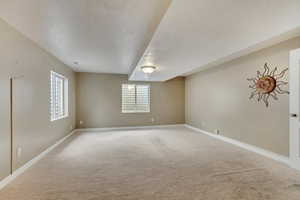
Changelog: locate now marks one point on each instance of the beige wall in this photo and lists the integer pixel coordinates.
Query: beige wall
(217, 98)
(32, 129)
(99, 102)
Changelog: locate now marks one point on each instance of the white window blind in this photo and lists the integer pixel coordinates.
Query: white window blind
(135, 98)
(58, 96)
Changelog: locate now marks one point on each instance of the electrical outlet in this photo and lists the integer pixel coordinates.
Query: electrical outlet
(217, 131)
(80, 122)
(152, 120)
(19, 152)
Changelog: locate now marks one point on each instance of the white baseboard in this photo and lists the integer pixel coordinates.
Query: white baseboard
(128, 128)
(248, 147)
(30, 163)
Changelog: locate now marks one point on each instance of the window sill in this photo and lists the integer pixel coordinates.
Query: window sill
(136, 112)
(66, 116)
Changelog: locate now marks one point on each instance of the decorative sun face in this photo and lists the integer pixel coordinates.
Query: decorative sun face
(267, 84)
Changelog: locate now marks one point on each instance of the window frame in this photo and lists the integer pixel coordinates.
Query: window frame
(65, 96)
(135, 96)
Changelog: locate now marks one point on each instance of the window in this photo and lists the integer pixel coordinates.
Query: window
(58, 96)
(135, 98)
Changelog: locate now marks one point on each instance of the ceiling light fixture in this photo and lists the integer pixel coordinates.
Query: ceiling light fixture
(148, 69)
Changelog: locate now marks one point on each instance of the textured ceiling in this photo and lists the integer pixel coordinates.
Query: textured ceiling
(105, 36)
(195, 34)
(179, 36)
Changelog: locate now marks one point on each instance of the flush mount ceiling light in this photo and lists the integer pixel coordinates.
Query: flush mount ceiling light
(148, 69)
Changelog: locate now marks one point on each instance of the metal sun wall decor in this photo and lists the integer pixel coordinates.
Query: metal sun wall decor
(267, 84)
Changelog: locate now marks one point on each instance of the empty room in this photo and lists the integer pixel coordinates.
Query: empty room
(149, 100)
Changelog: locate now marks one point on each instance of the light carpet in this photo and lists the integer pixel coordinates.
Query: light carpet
(165, 164)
